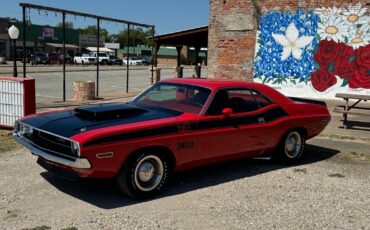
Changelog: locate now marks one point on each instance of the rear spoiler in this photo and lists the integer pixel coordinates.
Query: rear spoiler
(298, 99)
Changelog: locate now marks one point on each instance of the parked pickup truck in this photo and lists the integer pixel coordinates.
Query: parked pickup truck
(81, 58)
(103, 57)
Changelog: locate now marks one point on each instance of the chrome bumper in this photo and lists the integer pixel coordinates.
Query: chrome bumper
(79, 163)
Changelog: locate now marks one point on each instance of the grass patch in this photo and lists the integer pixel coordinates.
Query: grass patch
(300, 170)
(7, 143)
(356, 156)
(70, 228)
(338, 175)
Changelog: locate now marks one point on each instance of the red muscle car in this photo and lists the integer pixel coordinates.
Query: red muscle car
(174, 125)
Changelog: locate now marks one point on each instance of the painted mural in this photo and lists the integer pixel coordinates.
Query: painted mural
(316, 53)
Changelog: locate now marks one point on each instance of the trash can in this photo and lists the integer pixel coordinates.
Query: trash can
(84, 90)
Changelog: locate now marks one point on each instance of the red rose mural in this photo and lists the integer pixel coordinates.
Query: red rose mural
(344, 69)
(363, 57)
(322, 80)
(339, 59)
(326, 53)
(359, 80)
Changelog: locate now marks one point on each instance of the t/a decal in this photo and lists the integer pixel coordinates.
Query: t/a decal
(185, 145)
(184, 128)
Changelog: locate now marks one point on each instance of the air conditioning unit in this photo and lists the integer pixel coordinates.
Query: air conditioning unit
(17, 99)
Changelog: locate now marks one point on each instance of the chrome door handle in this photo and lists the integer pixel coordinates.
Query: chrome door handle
(261, 120)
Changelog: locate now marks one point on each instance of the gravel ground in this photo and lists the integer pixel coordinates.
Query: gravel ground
(329, 190)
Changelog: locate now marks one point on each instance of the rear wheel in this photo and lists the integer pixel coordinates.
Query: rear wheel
(291, 147)
(144, 176)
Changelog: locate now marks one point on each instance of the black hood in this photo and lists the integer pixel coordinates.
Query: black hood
(86, 118)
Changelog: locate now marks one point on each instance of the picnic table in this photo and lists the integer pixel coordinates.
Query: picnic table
(352, 108)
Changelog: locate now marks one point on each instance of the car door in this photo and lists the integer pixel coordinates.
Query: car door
(243, 133)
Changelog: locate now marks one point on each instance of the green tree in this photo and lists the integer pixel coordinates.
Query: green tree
(69, 25)
(137, 37)
(92, 30)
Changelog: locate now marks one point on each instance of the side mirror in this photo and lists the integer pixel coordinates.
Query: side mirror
(227, 112)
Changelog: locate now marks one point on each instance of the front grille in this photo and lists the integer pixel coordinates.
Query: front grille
(92, 59)
(53, 144)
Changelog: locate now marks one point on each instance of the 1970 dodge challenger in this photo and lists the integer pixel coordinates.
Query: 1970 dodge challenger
(174, 125)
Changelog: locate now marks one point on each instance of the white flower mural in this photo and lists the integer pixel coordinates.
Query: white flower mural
(327, 13)
(353, 14)
(292, 43)
(333, 29)
(348, 25)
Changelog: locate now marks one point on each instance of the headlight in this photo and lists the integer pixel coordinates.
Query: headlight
(75, 147)
(16, 127)
(30, 131)
(23, 129)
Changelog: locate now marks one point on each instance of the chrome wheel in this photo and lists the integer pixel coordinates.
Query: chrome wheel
(148, 173)
(293, 145)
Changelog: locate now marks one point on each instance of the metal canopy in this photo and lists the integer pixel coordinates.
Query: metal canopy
(98, 20)
(196, 37)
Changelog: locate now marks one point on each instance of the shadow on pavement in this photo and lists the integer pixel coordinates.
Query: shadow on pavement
(358, 125)
(104, 194)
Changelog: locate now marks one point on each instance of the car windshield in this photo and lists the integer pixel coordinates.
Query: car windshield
(40, 54)
(179, 97)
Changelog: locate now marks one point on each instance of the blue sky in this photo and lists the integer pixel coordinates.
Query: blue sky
(167, 15)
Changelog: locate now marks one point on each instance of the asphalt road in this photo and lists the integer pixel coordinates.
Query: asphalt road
(112, 80)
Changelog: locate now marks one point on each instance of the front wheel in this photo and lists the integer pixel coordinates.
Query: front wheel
(291, 148)
(144, 176)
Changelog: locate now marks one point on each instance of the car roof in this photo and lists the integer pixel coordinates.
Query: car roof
(212, 83)
(215, 84)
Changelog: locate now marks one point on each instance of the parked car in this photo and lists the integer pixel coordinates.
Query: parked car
(176, 124)
(134, 61)
(103, 57)
(68, 59)
(53, 58)
(84, 58)
(113, 60)
(40, 58)
(2, 60)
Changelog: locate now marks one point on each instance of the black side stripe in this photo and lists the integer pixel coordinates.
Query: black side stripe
(270, 115)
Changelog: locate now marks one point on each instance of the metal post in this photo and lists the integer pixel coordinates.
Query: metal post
(64, 56)
(128, 56)
(24, 41)
(152, 60)
(15, 73)
(97, 58)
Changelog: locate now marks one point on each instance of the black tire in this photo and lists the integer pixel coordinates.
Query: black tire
(291, 148)
(134, 179)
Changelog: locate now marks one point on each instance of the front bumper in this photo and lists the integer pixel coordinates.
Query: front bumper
(78, 163)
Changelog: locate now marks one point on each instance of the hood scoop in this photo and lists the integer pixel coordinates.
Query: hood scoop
(107, 111)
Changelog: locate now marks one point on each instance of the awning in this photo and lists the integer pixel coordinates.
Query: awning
(101, 49)
(58, 45)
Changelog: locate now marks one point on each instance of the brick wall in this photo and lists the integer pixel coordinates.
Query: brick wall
(232, 32)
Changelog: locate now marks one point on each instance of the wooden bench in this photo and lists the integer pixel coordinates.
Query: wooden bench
(348, 108)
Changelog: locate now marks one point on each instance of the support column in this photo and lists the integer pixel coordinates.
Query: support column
(128, 57)
(178, 49)
(197, 59)
(64, 56)
(97, 56)
(24, 41)
(156, 47)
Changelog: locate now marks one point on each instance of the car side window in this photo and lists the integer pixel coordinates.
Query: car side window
(239, 100)
(261, 99)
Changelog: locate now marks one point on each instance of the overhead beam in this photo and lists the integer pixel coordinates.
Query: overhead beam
(47, 8)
